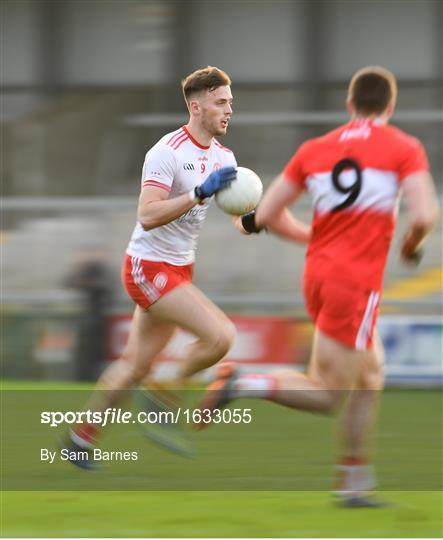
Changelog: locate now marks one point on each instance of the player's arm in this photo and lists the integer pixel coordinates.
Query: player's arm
(156, 209)
(423, 210)
(273, 213)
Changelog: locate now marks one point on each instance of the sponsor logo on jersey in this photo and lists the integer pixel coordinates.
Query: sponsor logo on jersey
(362, 132)
(160, 280)
(194, 215)
(188, 166)
(216, 166)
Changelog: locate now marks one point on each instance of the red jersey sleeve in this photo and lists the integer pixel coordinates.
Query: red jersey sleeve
(414, 159)
(294, 170)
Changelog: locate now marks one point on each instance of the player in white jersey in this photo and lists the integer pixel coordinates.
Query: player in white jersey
(180, 175)
(176, 165)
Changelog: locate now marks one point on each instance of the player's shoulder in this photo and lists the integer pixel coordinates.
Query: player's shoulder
(172, 141)
(401, 138)
(219, 146)
(169, 143)
(317, 151)
(166, 147)
(224, 154)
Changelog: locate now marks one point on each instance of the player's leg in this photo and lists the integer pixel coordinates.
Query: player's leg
(355, 472)
(343, 316)
(332, 373)
(361, 409)
(190, 309)
(147, 339)
(335, 371)
(187, 307)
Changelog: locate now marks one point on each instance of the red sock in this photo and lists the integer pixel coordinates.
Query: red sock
(353, 460)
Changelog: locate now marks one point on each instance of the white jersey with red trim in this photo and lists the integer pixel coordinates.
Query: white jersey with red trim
(354, 174)
(177, 163)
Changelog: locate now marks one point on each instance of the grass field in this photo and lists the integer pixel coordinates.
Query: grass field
(215, 514)
(269, 479)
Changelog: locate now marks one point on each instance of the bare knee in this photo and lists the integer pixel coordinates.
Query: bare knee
(223, 341)
(333, 402)
(326, 401)
(372, 382)
(136, 374)
(371, 377)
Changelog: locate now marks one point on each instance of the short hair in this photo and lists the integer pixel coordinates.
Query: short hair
(208, 78)
(372, 89)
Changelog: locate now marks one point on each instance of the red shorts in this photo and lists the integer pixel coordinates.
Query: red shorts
(147, 281)
(342, 311)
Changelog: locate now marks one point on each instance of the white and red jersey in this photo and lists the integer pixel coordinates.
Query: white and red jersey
(354, 174)
(177, 163)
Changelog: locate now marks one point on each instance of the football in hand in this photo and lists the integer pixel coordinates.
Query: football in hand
(242, 195)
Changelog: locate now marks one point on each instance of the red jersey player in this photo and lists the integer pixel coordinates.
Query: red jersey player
(355, 175)
(180, 175)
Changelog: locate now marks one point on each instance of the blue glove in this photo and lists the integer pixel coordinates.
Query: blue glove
(216, 181)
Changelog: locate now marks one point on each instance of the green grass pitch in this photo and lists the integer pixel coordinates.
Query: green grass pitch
(268, 479)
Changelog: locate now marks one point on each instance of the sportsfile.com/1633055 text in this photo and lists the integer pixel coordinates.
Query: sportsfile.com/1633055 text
(120, 416)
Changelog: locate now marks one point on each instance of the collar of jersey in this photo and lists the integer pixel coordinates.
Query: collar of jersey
(361, 120)
(194, 141)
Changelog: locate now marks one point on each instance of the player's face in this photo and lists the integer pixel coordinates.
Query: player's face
(216, 110)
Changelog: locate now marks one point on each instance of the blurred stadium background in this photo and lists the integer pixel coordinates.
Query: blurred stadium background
(88, 87)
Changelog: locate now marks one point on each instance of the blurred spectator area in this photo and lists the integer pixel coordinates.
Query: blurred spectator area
(89, 86)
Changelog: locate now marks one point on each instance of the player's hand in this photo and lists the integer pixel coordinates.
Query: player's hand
(411, 251)
(411, 258)
(216, 181)
(236, 220)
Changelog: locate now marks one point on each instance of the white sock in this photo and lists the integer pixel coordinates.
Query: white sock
(254, 385)
(355, 479)
(80, 441)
